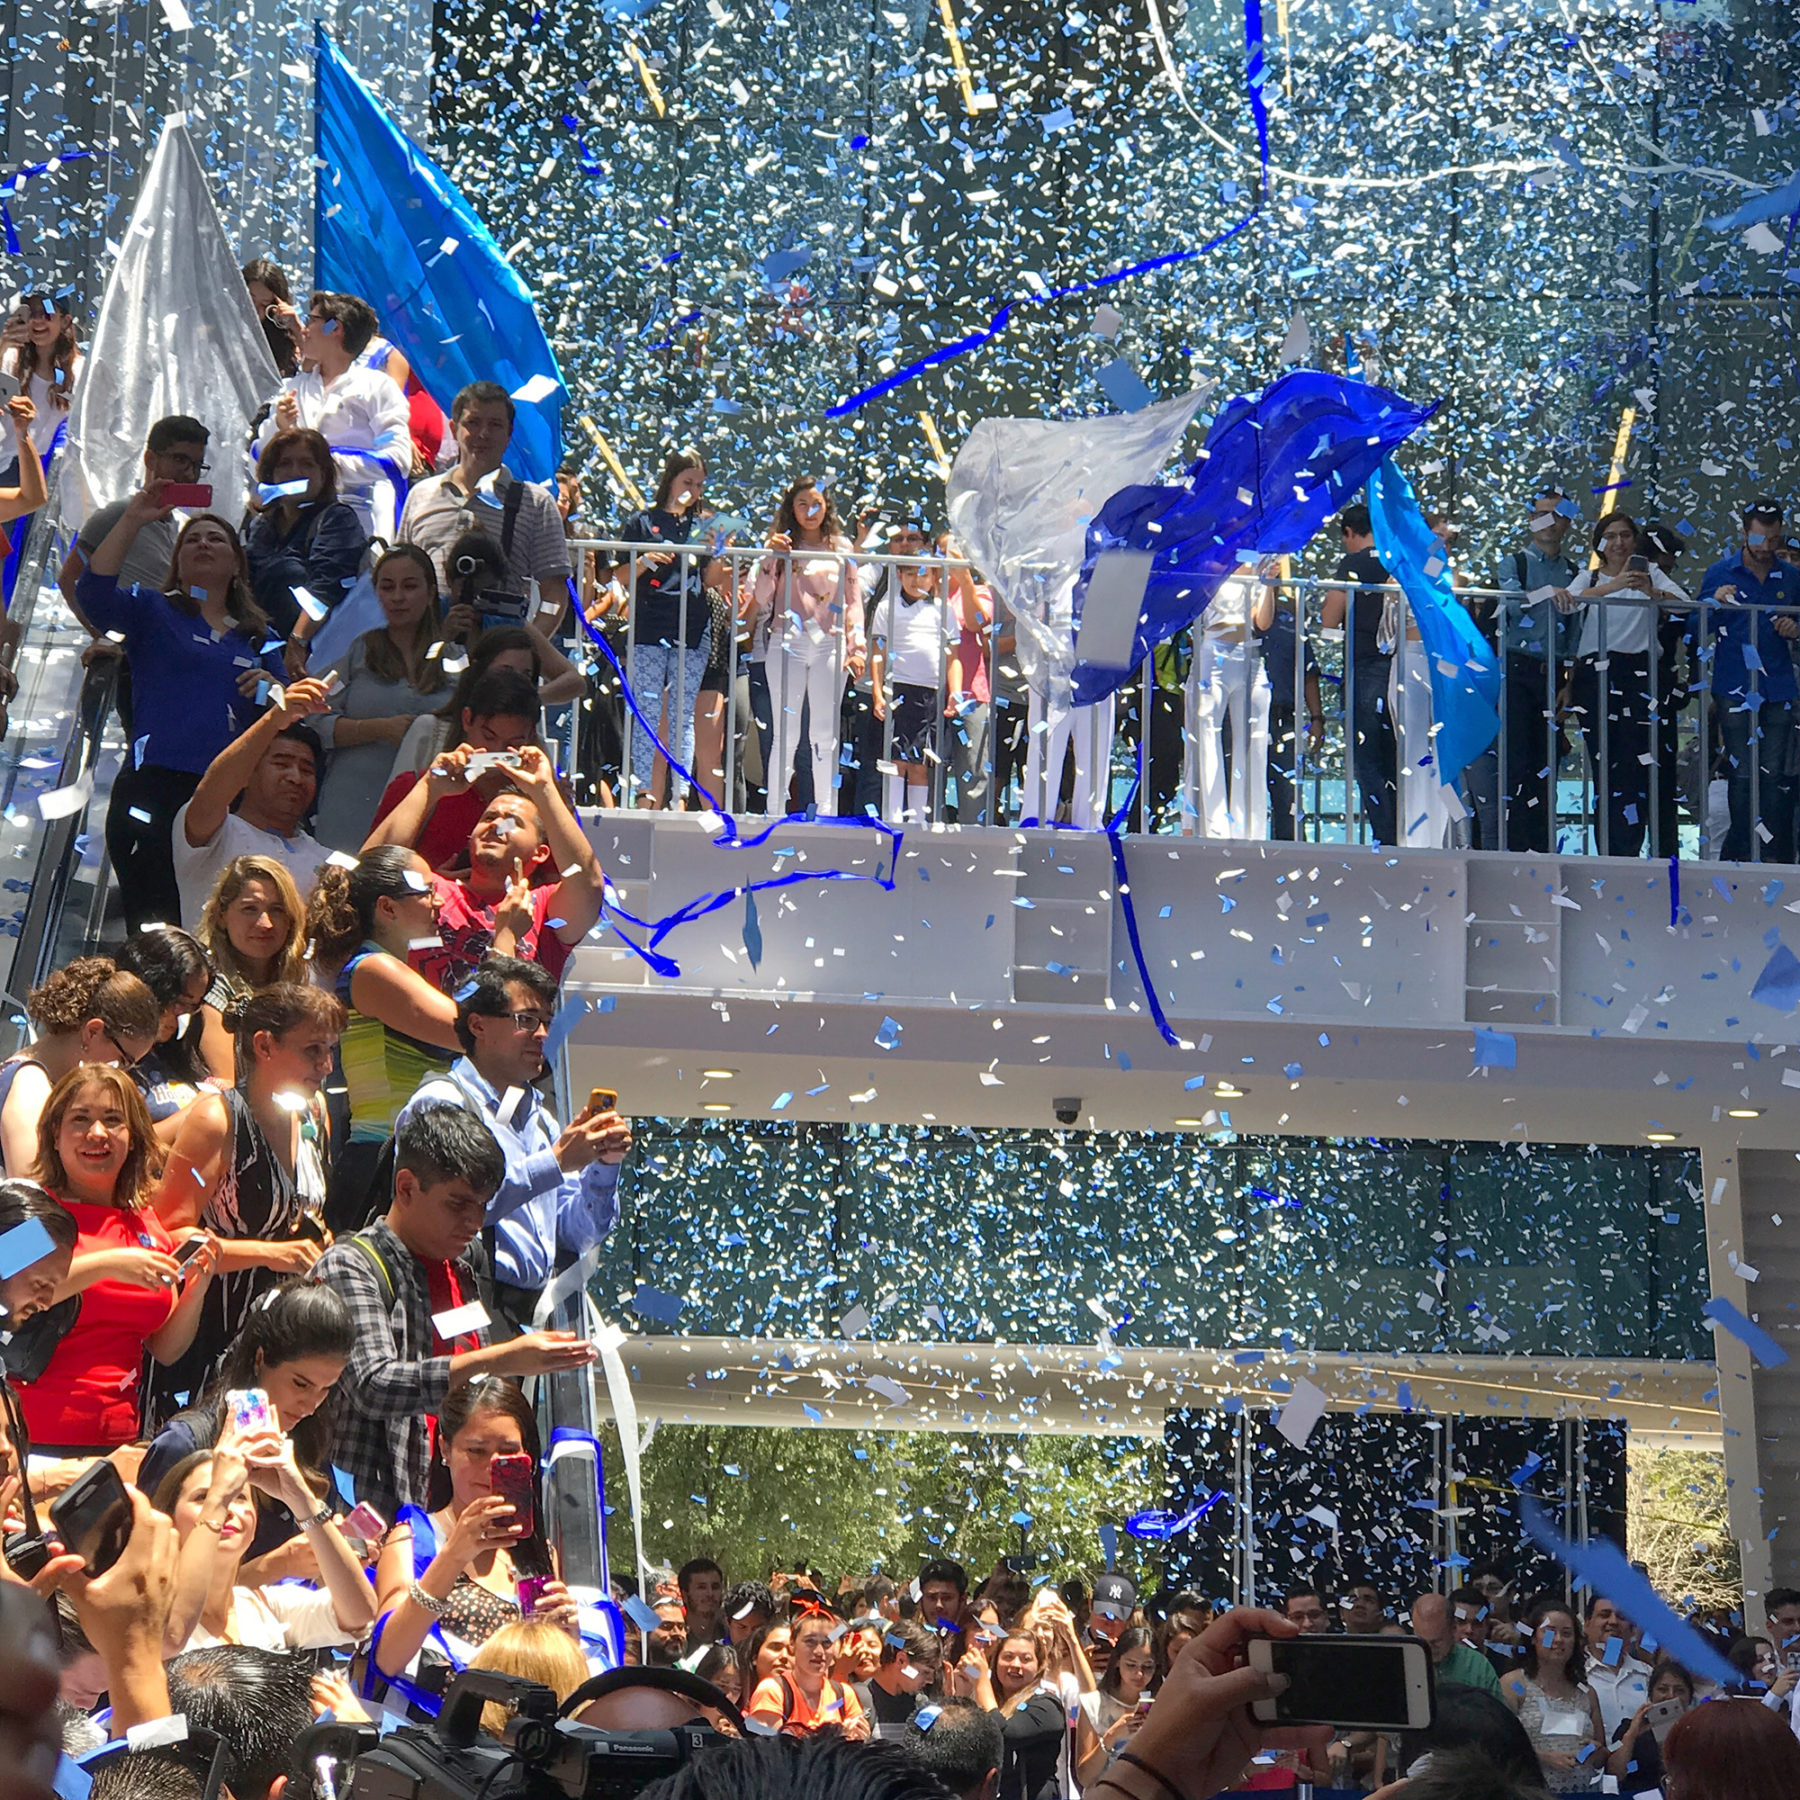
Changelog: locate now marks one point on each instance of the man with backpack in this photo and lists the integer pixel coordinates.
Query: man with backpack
(414, 1282)
(481, 494)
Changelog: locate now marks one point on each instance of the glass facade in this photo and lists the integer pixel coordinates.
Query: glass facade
(739, 212)
(954, 1234)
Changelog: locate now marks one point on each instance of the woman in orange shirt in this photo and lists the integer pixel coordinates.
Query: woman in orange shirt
(804, 1699)
(98, 1155)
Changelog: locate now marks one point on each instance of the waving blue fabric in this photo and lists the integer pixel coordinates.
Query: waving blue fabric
(1465, 677)
(1777, 203)
(1274, 468)
(393, 228)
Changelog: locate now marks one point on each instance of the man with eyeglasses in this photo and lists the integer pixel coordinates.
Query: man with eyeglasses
(175, 451)
(560, 1192)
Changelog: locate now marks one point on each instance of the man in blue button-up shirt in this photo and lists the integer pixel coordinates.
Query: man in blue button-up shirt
(1751, 677)
(561, 1191)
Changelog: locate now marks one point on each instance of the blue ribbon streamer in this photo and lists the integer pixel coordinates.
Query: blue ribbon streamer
(1115, 842)
(729, 839)
(22, 174)
(1259, 112)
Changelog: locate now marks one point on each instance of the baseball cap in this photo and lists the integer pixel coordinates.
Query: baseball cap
(1764, 507)
(1114, 1597)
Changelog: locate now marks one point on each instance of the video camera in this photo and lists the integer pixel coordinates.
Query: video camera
(540, 1756)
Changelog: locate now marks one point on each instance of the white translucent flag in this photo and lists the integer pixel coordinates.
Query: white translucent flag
(177, 334)
(1021, 494)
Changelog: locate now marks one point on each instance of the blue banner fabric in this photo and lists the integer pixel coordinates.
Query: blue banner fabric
(1465, 674)
(393, 228)
(1274, 468)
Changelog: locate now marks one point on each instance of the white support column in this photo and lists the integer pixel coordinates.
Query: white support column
(1722, 1205)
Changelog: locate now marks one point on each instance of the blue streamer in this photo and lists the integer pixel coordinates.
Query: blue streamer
(1674, 892)
(729, 839)
(998, 323)
(1602, 1566)
(1253, 81)
(25, 172)
(1115, 842)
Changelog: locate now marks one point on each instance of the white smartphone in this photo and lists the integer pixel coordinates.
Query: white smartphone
(1351, 1683)
(1662, 1716)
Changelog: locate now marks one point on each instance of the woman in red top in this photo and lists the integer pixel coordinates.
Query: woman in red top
(97, 1154)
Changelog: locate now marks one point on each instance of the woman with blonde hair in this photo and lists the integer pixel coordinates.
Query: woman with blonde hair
(253, 926)
(90, 1012)
(98, 1155)
(533, 1649)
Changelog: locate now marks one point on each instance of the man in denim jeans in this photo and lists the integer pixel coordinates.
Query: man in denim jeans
(1536, 639)
(1751, 678)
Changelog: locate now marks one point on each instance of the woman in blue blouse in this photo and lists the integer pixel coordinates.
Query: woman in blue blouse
(197, 656)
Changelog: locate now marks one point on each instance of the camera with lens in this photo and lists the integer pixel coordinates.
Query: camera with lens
(539, 1756)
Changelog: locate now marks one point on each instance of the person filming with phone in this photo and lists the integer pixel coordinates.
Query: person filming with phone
(501, 905)
(473, 1558)
(560, 1193)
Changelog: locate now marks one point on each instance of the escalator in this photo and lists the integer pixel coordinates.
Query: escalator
(62, 735)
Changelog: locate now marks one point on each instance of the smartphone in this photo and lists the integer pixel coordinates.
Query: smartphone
(364, 1522)
(514, 1481)
(191, 494)
(484, 760)
(602, 1100)
(530, 1588)
(93, 1518)
(9, 386)
(250, 1409)
(1662, 1716)
(190, 1248)
(1637, 564)
(1349, 1683)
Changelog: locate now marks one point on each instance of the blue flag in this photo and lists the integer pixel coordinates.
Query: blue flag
(393, 228)
(1273, 470)
(1465, 676)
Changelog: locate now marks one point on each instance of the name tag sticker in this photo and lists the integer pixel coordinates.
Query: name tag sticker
(460, 1319)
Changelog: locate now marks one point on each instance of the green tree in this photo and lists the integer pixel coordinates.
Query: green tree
(850, 1502)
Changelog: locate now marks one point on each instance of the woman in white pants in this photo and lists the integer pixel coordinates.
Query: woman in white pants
(809, 600)
(1422, 810)
(1231, 685)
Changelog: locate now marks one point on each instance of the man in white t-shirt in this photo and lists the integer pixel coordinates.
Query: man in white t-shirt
(275, 767)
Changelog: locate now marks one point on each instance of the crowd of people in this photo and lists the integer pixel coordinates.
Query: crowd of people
(280, 1198)
(845, 664)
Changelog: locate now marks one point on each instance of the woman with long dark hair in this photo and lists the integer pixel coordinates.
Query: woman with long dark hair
(248, 1165)
(1111, 1714)
(1611, 686)
(174, 966)
(40, 348)
(454, 1567)
(671, 626)
(197, 656)
(309, 539)
(809, 616)
(1560, 1712)
(1031, 1718)
(390, 677)
(293, 1345)
(272, 295)
(400, 1028)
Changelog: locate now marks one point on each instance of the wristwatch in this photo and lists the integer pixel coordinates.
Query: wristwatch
(425, 1602)
(321, 1517)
